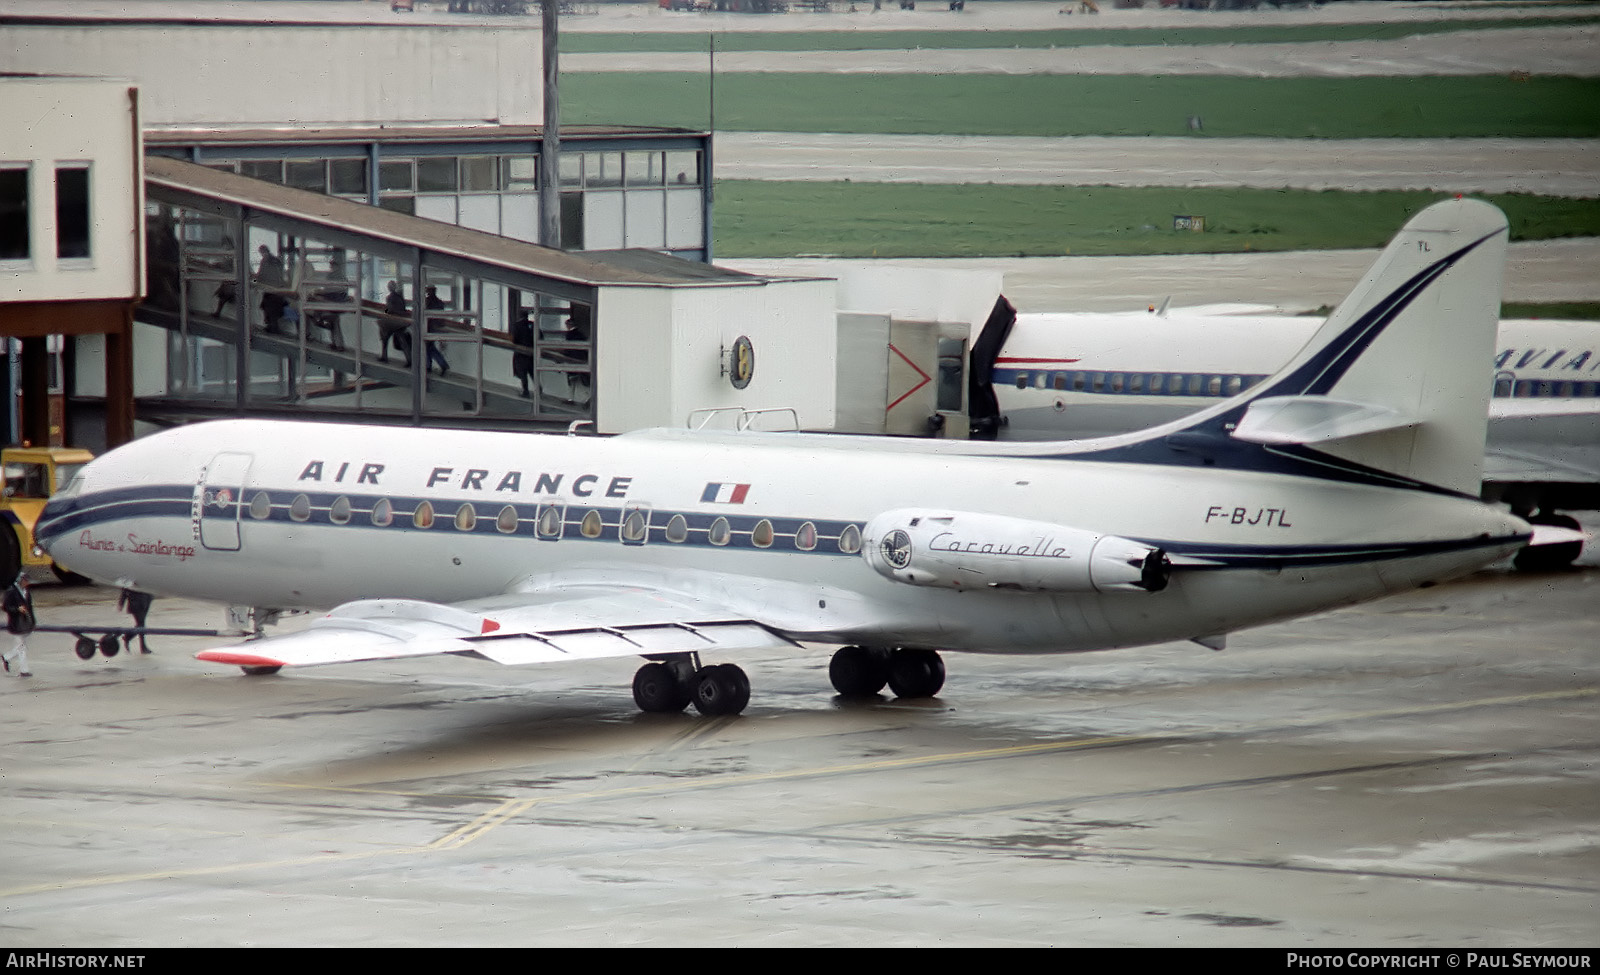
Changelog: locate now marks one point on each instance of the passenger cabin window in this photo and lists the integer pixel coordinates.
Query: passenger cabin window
(551, 519)
(300, 508)
(422, 516)
(678, 529)
(466, 518)
(720, 532)
(383, 513)
(850, 540)
(339, 514)
(805, 538)
(592, 525)
(761, 536)
(261, 506)
(635, 527)
(506, 522)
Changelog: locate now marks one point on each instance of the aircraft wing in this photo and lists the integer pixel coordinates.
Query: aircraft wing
(583, 623)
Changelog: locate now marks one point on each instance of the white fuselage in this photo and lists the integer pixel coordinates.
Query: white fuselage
(307, 515)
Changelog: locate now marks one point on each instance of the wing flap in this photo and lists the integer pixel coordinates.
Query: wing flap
(514, 629)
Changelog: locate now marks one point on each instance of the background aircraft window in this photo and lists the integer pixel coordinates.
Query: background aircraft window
(1022, 380)
(1116, 382)
(1195, 383)
(805, 539)
(383, 513)
(1235, 384)
(1136, 383)
(1155, 383)
(762, 535)
(592, 525)
(678, 529)
(422, 517)
(1099, 382)
(466, 517)
(1214, 386)
(850, 540)
(507, 520)
(635, 527)
(300, 508)
(549, 525)
(1078, 381)
(1041, 380)
(1060, 381)
(339, 514)
(720, 532)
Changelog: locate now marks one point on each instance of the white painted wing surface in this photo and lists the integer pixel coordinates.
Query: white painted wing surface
(580, 624)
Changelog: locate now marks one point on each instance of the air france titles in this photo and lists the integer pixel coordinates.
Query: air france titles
(480, 479)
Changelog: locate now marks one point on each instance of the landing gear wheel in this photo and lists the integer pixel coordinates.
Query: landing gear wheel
(915, 672)
(260, 671)
(109, 646)
(84, 648)
(1550, 558)
(656, 689)
(858, 671)
(721, 689)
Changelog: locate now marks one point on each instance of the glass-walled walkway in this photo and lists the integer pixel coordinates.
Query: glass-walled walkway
(263, 297)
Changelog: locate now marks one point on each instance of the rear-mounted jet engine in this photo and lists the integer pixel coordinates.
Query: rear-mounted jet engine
(962, 550)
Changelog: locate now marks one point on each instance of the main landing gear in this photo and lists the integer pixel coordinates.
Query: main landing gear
(863, 671)
(673, 684)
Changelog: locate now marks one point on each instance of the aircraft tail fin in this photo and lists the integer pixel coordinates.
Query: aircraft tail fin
(1396, 381)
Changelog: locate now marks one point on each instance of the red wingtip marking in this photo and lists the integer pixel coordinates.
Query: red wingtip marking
(238, 659)
(489, 626)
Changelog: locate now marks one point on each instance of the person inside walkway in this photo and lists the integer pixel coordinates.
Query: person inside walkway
(432, 301)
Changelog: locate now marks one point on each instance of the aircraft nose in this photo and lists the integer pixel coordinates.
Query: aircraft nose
(55, 521)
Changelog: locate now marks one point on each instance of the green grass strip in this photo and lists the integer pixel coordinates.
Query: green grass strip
(789, 219)
(1480, 106)
(910, 40)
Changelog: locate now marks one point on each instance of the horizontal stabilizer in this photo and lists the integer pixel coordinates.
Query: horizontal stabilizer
(1314, 419)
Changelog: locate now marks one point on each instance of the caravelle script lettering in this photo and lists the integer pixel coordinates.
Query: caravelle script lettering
(1041, 548)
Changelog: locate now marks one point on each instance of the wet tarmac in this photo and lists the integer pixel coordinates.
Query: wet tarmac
(1415, 772)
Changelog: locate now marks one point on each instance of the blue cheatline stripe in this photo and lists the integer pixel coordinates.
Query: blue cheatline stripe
(102, 509)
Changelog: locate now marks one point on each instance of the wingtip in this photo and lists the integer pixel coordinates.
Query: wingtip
(237, 659)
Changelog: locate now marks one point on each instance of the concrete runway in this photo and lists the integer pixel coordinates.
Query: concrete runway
(1416, 772)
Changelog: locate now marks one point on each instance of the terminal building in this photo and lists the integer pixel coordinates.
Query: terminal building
(339, 221)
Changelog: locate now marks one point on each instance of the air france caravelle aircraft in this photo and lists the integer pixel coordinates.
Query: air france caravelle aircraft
(1093, 374)
(1349, 474)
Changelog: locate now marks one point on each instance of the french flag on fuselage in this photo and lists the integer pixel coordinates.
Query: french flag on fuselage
(724, 493)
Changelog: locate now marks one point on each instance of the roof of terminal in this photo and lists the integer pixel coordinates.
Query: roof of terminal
(594, 268)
